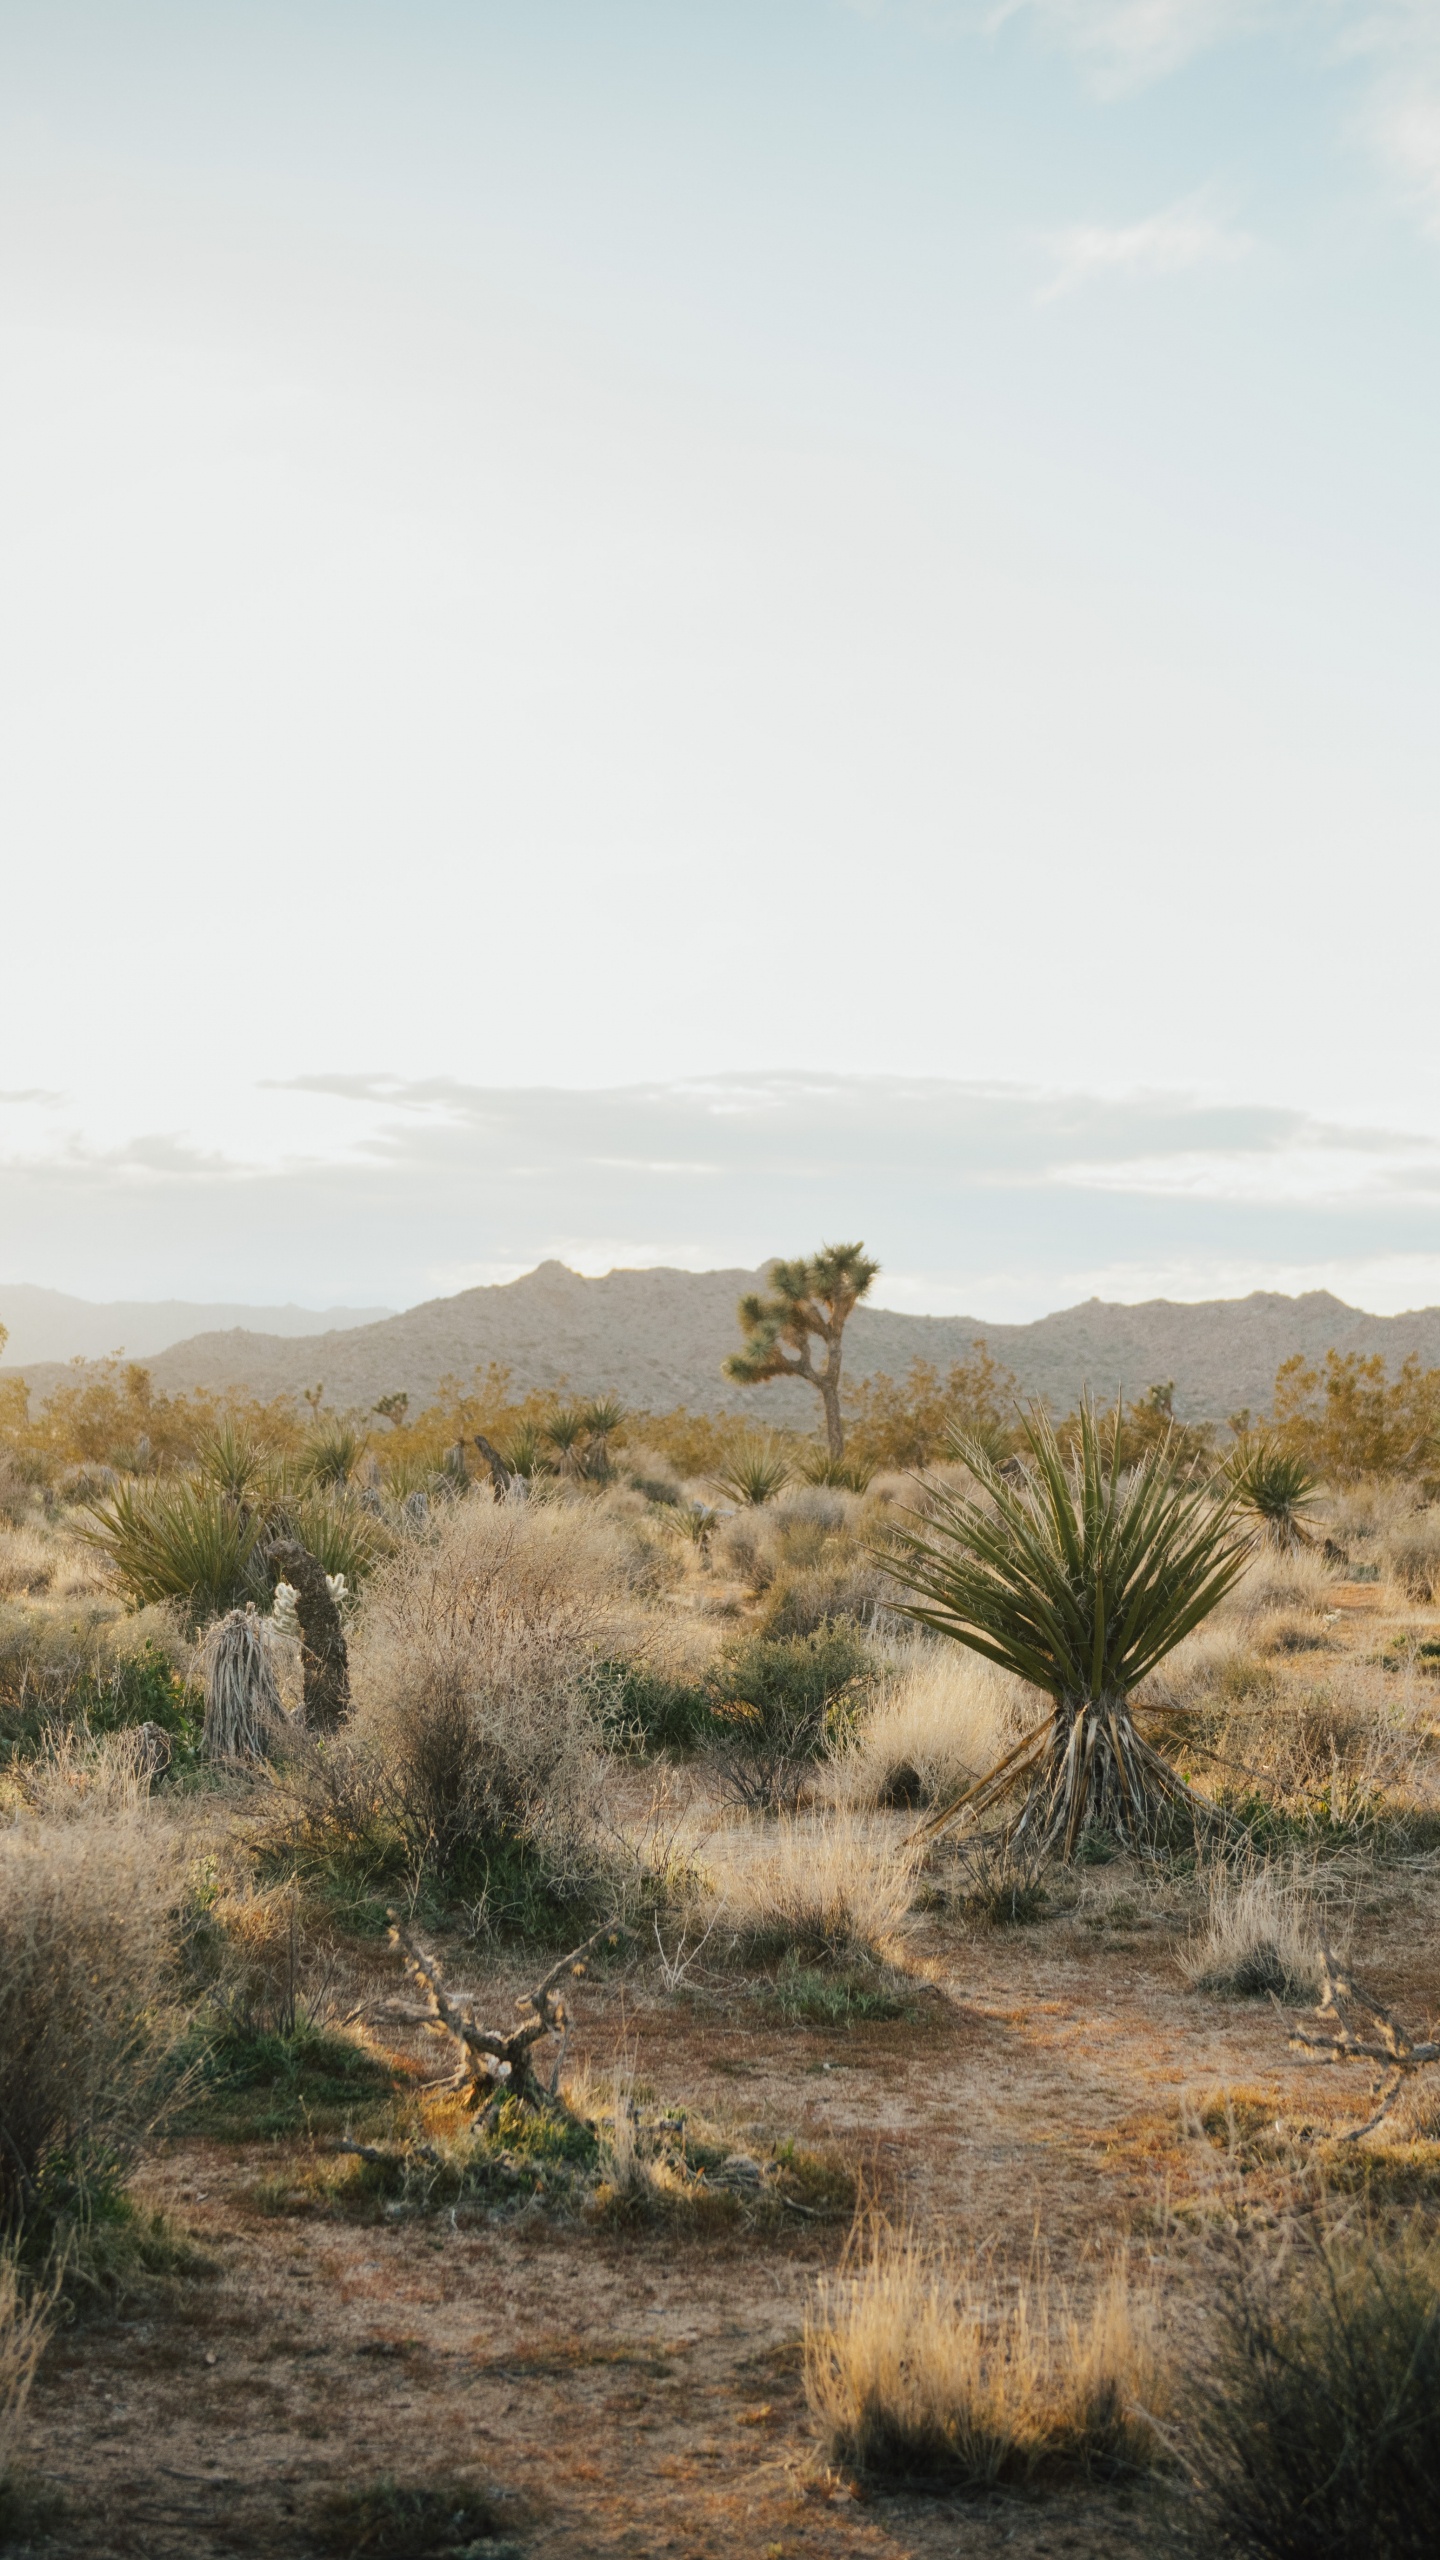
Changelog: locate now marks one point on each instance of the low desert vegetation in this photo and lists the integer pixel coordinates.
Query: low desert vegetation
(928, 2372)
(854, 1769)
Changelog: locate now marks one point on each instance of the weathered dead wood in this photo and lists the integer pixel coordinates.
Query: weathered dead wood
(1357, 2029)
(494, 2066)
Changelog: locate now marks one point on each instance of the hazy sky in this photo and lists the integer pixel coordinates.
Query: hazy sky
(638, 627)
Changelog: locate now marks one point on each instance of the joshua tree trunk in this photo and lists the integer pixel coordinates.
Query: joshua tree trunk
(828, 1383)
(323, 1655)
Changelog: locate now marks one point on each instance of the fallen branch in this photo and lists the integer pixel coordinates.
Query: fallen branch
(1359, 2030)
(494, 2066)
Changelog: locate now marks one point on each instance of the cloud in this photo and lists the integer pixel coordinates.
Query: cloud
(1176, 242)
(1127, 43)
(988, 1200)
(1394, 45)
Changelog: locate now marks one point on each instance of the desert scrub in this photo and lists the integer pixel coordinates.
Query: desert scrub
(826, 1891)
(777, 1704)
(92, 1669)
(598, 2157)
(1260, 1933)
(1315, 2432)
(433, 2520)
(938, 1720)
(88, 1923)
(924, 2371)
(473, 1765)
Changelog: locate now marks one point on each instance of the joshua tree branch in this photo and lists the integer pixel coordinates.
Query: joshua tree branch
(495, 2065)
(1358, 2029)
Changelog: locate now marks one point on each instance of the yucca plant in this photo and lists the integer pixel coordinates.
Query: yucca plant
(753, 1472)
(182, 1541)
(231, 1461)
(331, 1454)
(1275, 1487)
(601, 1416)
(524, 1455)
(848, 1475)
(565, 1431)
(1079, 1578)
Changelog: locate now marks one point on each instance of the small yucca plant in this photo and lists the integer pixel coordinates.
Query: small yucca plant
(1275, 1488)
(753, 1472)
(1078, 1578)
(185, 1542)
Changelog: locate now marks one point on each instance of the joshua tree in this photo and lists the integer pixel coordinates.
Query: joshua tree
(393, 1408)
(1274, 1487)
(324, 1658)
(809, 1304)
(1079, 1579)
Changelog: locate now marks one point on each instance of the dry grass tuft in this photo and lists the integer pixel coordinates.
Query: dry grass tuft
(24, 2328)
(87, 1926)
(1301, 1581)
(943, 1719)
(920, 2369)
(1260, 1934)
(827, 1890)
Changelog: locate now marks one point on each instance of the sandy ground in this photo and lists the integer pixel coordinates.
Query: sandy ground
(643, 2395)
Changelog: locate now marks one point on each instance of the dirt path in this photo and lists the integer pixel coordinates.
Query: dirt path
(642, 2395)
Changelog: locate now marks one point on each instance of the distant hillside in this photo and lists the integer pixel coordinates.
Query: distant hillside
(657, 1339)
(45, 1324)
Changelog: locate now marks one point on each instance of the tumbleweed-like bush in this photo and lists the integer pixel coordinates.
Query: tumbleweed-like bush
(1315, 2434)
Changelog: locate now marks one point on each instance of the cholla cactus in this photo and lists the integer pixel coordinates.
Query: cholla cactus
(242, 1702)
(286, 1618)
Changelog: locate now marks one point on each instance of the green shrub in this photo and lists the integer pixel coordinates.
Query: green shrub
(642, 1710)
(1316, 2434)
(776, 1702)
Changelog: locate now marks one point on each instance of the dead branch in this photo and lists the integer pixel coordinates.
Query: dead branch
(1359, 2030)
(494, 2066)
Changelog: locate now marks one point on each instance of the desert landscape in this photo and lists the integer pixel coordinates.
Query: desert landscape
(551, 2006)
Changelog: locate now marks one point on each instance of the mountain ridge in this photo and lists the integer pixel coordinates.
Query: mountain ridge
(657, 1337)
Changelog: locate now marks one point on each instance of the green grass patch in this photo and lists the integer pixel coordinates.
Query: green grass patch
(260, 2082)
(833, 1995)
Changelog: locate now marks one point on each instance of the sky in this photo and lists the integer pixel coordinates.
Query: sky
(648, 629)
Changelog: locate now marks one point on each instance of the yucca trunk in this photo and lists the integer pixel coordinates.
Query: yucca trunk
(1088, 1768)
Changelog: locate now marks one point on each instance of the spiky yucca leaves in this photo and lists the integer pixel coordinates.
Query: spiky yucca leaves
(753, 1472)
(1079, 1578)
(186, 1542)
(191, 1542)
(1276, 1488)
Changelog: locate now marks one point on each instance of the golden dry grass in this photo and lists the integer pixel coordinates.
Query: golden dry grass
(828, 1886)
(1259, 1934)
(920, 2367)
(25, 2319)
(942, 1719)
